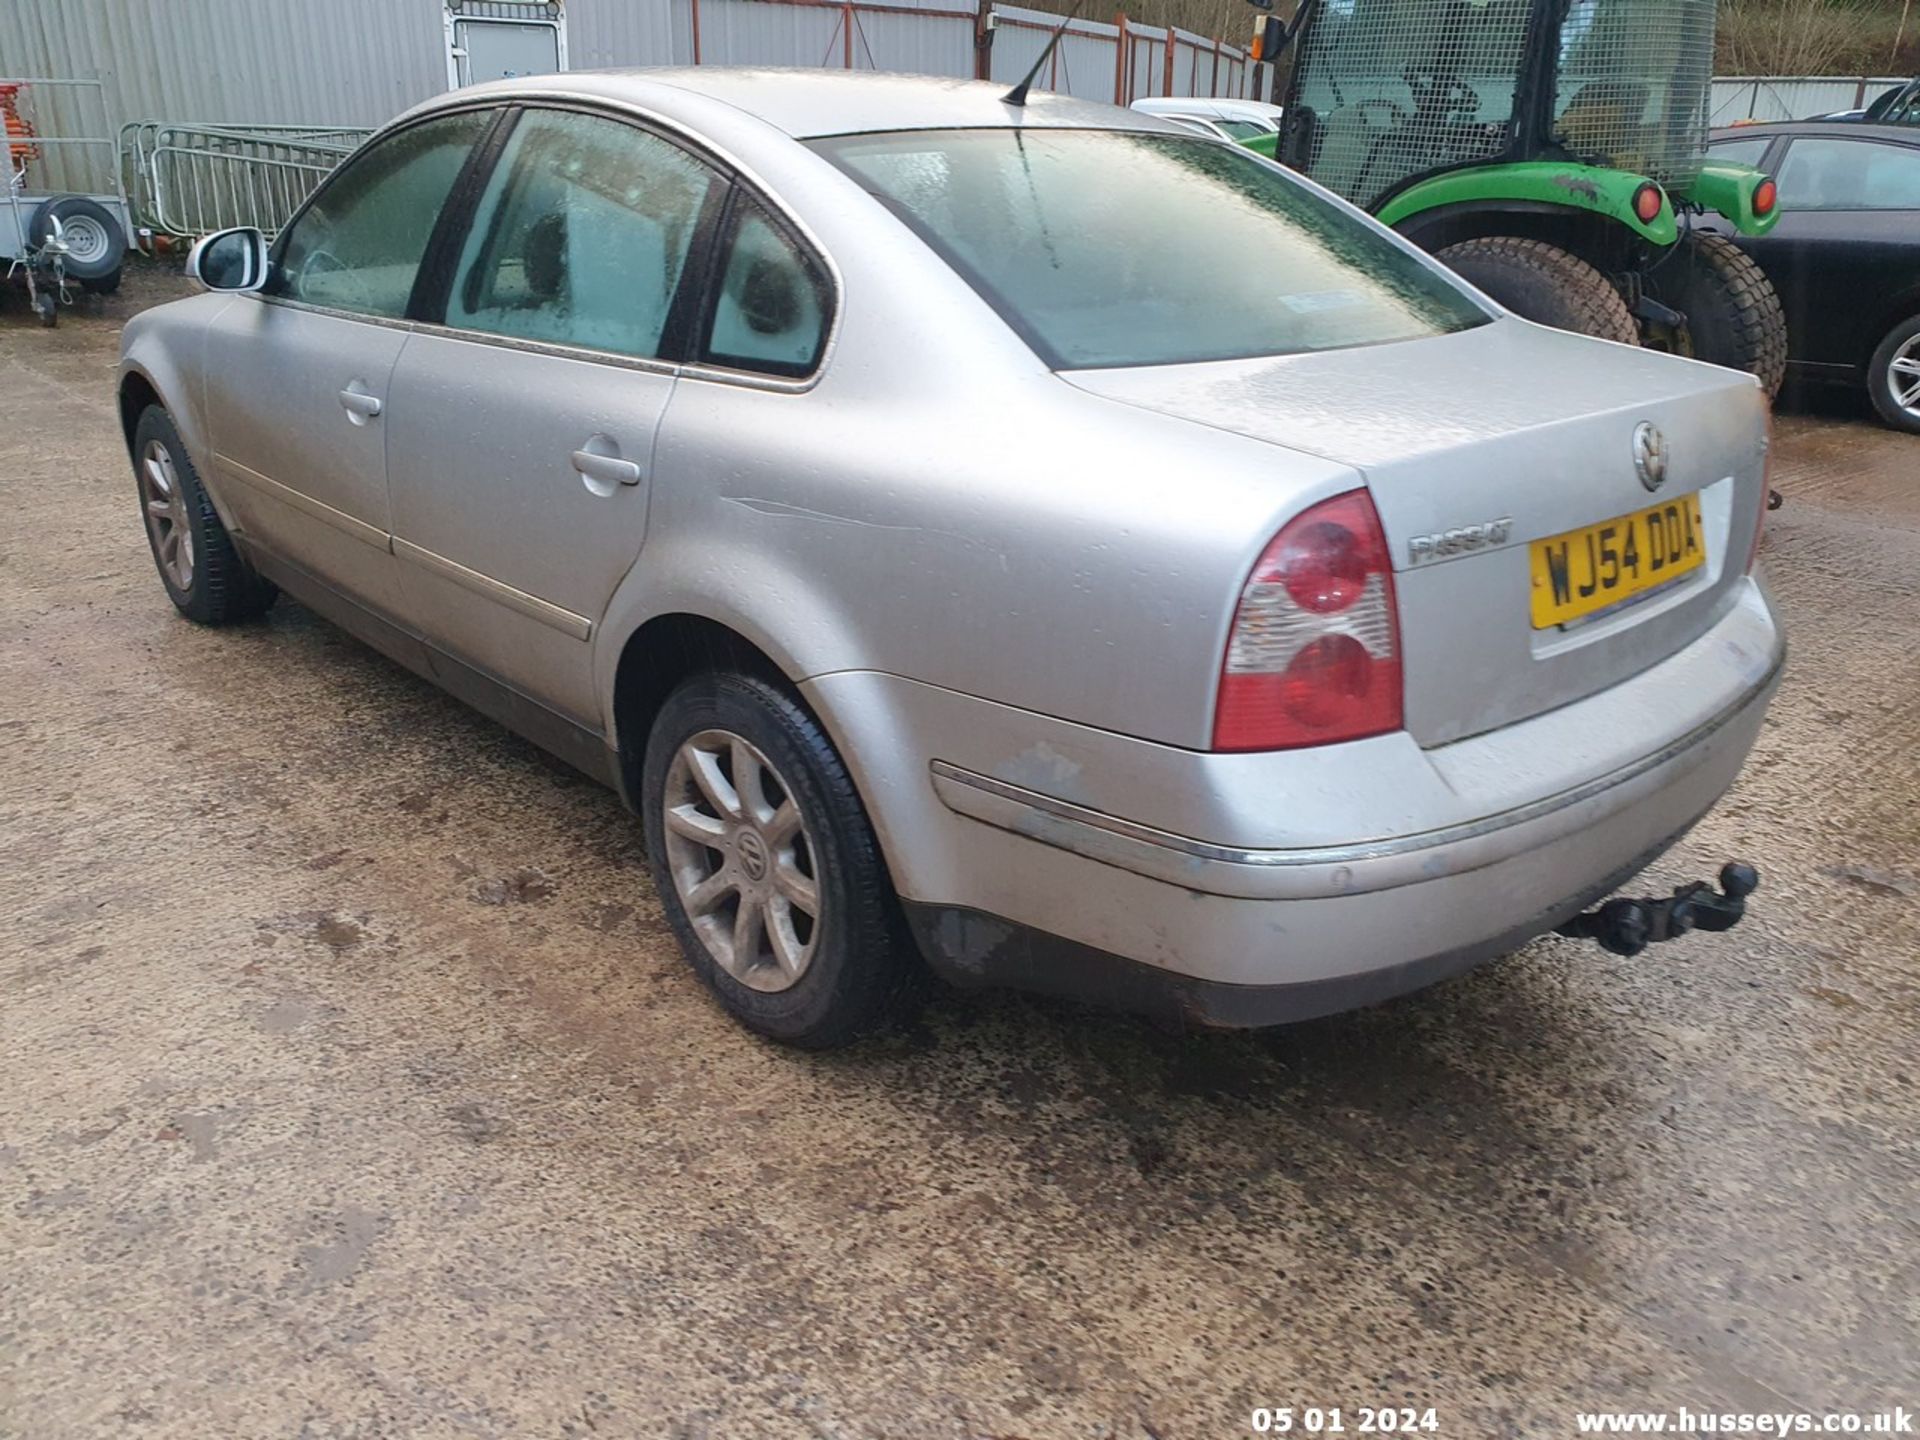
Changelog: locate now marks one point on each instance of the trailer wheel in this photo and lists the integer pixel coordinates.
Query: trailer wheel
(96, 246)
(1546, 284)
(46, 305)
(1733, 313)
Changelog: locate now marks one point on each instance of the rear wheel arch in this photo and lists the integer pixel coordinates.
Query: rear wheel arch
(654, 660)
(1904, 307)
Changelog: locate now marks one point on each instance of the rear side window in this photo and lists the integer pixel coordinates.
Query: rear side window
(1824, 174)
(582, 236)
(1105, 247)
(1741, 152)
(358, 246)
(771, 308)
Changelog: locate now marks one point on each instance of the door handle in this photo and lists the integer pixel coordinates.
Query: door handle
(607, 469)
(358, 402)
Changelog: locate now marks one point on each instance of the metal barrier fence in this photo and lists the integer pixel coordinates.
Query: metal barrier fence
(187, 180)
(1792, 97)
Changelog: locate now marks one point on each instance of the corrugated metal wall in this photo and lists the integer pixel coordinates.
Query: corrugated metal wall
(341, 62)
(360, 62)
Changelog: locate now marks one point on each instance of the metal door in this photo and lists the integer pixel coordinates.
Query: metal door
(504, 49)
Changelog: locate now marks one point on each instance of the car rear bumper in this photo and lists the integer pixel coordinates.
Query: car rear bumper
(975, 950)
(1062, 865)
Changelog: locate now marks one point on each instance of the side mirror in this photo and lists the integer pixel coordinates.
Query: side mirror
(230, 260)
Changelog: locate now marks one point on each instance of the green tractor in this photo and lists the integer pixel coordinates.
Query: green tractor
(1553, 152)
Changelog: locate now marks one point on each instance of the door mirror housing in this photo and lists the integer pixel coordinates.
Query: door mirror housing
(233, 260)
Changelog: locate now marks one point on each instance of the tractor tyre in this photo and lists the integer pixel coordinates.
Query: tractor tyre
(1733, 313)
(1544, 283)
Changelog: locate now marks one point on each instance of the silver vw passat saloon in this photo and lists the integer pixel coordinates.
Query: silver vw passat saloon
(1033, 534)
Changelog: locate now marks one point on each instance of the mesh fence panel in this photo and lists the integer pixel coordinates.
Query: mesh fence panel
(1406, 86)
(1635, 80)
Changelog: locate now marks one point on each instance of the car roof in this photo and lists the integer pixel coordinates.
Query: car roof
(1845, 129)
(805, 103)
(1225, 107)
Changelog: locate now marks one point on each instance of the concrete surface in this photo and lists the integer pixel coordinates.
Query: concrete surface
(350, 1084)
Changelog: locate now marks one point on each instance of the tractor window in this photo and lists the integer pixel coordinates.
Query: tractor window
(1634, 82)
(1399, 88)
(1105, 247)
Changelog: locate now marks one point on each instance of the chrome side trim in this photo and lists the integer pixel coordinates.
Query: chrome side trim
(339, 519)
(1331, 870)
(531, 606)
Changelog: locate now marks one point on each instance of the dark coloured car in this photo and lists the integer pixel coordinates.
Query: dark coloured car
(1845, 256)
(1897, 106)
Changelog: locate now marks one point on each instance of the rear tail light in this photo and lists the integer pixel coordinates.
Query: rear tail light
(1648, 202)
(1314, 654)
(1765, 196)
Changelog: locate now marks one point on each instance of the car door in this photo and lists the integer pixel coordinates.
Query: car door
(521, 429)
(297, 376)
(1846, 246)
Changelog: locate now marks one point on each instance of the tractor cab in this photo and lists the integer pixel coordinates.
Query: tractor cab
(1553, 151)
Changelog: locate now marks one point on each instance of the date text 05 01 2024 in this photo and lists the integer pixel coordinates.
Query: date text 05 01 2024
(1345, 1420)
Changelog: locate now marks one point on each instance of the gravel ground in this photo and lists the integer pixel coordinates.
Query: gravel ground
(352, 1087)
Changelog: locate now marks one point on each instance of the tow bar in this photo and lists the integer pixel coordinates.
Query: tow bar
(1626, 926)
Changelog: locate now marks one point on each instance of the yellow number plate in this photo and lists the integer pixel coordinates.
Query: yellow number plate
(1586, 570)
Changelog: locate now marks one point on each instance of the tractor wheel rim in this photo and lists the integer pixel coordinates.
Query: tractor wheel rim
(743, 861)
(1903, 377)
(165, 512)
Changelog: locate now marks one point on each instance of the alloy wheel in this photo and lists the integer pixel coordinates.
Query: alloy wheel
(165, 509)
(1903, 377)
(743, 860)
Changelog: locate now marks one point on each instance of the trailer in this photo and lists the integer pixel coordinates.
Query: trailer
(66, 223)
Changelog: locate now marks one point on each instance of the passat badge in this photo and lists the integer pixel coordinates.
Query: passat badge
(1461, 540)
(1650, 455)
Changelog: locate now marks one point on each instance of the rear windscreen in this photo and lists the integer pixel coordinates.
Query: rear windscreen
(1114, 248)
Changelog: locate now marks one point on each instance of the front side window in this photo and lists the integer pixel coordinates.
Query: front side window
(1822, 174)
(770, 313)
(358, 246)
(1122, 248)
(582, 236)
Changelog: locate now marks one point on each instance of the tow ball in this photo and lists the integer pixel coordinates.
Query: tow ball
(1627, 926)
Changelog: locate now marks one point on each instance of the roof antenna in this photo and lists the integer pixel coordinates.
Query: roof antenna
(1018, 94)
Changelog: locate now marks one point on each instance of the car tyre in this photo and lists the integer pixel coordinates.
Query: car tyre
(204, 574)
(1733, 313)
(1544, 283)
(1893, 376)
(749, 810)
